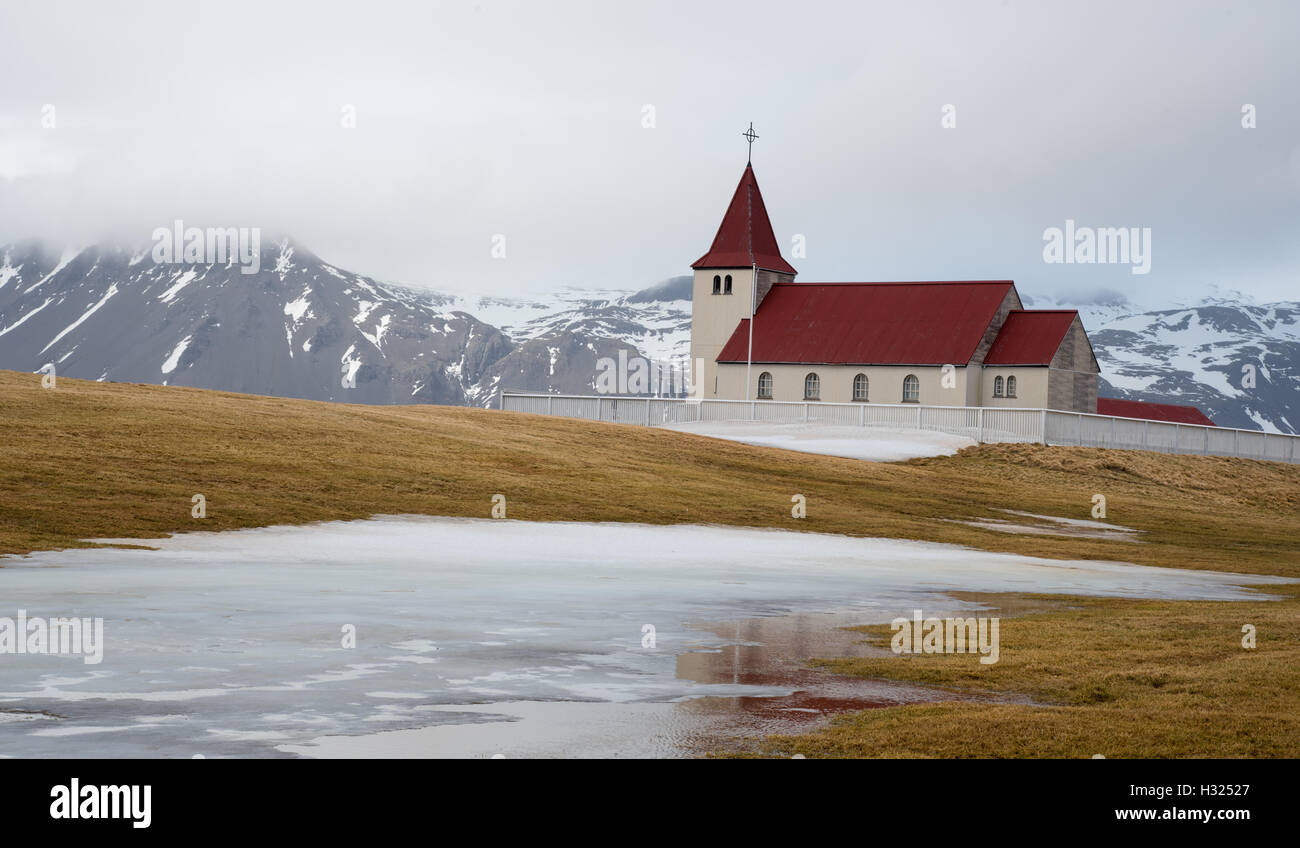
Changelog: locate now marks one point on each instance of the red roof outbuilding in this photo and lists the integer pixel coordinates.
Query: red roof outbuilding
(745, 237)
(1175, 413)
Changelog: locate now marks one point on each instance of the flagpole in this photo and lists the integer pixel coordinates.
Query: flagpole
(753, 296)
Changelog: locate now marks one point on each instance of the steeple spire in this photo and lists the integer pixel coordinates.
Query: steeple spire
(745, 238)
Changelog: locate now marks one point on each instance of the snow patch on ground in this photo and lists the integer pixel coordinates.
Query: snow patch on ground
(181, 282)
(1055, 525)
(349, 363)
(8, 272)
(869, 443)
(174, 358)
(377, 339)
(283, 263)
(112, 290)
(69, 254)
(295, 309)
(15, 325)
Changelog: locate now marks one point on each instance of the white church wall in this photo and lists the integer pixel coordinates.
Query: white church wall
(885, 383)
(1031, 386)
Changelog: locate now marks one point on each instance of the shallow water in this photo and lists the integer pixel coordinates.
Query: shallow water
(481, 638)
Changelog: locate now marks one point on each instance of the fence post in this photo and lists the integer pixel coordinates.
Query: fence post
(1080, 429)
(805, 413)
(1263, 450)
(1178, 437)
(550, 400)
(1235, 450)
(918, 418)
(862, 415)
(980, 415)
(647, 412)
(1112, 433)
(600, 409)
(1207, 440)
(1146, 429)
(1043, 426)
(753, 410)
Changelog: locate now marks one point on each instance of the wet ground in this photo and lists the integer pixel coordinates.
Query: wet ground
(485, 638)
(1033, 524)
(762, 655)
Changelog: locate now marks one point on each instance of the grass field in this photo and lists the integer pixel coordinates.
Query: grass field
(1113, 677)
(87, 460)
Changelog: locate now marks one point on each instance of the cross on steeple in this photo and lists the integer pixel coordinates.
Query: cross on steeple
(750, 135)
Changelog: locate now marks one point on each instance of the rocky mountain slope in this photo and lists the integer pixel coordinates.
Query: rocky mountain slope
(301, 327)
(1206, 354)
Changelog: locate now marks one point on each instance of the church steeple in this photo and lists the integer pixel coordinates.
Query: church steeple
(745, 238)
(733, 279)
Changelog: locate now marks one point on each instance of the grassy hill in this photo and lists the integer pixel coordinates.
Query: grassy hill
(1122, 678)
(86, 460)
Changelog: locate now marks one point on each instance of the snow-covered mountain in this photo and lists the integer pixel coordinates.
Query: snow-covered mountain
(655, 320)
(301, 327)
(1205, 354)
(559, 342)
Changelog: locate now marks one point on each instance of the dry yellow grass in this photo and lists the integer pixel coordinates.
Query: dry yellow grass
(1113, 677)
(87, 460)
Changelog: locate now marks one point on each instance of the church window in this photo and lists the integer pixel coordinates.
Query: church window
(997, 387)
(860, 387)
(726, 285)
(1011, 386)
(812, 387)
(911, 389)
(765, 385)
(717, 284)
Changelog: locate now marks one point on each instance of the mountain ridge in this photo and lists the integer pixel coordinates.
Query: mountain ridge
(302, 327)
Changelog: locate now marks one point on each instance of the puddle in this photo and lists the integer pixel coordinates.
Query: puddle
(767, 655)
(417, 636)
(1051, 525)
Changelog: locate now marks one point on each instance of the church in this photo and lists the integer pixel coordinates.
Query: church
(756, 334)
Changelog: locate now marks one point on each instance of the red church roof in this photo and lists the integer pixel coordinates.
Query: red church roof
(1152, 411)
(745, 237)
(869, 323)
(1030, 338)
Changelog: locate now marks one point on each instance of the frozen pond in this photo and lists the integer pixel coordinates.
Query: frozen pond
(480, 637)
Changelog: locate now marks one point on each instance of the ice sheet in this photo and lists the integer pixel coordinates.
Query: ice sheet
(230, 643)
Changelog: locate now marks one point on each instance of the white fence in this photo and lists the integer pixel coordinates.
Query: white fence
(981, 424)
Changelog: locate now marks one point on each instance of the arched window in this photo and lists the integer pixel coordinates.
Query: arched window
(1011, 386)
(812, 387)
(717, 284)
(860, 387)
(726, 285)
(911, 389)
(765, 386)
(997, 387)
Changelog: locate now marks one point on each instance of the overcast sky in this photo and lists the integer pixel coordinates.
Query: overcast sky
(527, 120)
